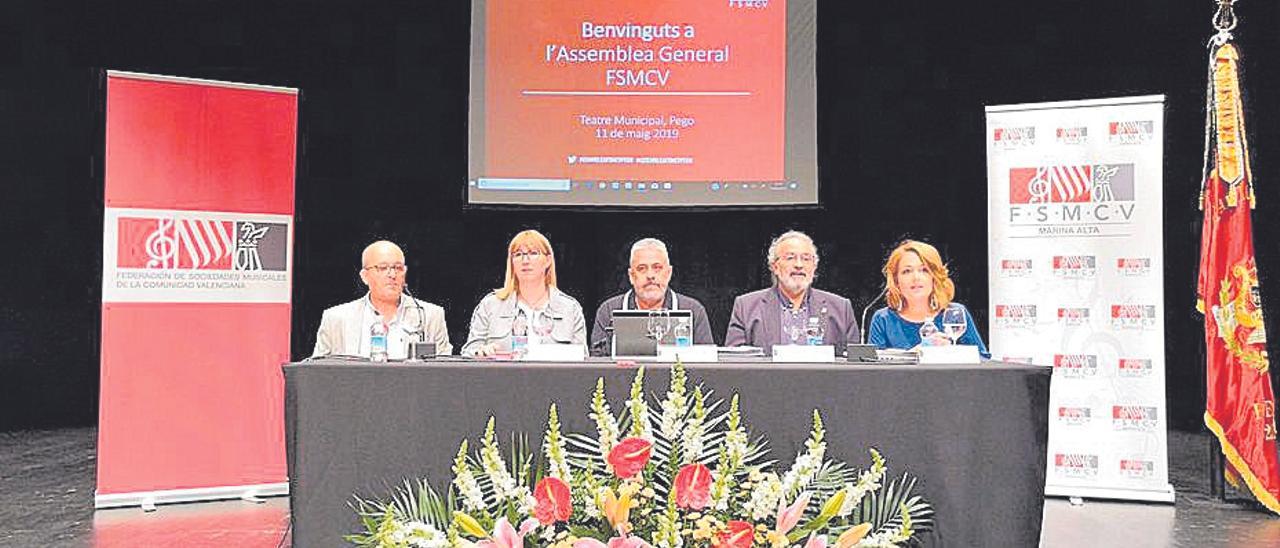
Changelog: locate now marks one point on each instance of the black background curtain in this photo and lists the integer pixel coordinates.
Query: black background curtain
(383, 144)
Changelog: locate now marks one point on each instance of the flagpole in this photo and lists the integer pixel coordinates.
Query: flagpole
(1224, 21)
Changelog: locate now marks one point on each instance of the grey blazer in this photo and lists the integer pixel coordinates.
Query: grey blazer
(757, 319)
(341, 330)
(493, 318)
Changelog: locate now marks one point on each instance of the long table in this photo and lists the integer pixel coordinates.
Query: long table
(975, 435)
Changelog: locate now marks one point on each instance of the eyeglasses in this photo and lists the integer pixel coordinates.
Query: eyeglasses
(384, 269)
(532, 254)
(802, 257)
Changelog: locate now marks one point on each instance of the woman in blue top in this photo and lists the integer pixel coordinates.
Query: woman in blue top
(918, 288)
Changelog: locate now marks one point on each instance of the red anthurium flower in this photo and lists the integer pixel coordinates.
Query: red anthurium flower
(630, 456)
(693, 486)
(740, 534)
(553, 505)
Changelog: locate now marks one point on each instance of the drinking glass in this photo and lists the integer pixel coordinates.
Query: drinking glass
(659, 324)
(953, 323)
(542, 326)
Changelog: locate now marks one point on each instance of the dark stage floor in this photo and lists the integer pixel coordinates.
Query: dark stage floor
(47, 477)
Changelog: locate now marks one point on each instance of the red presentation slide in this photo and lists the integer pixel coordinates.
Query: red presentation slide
(673, 90)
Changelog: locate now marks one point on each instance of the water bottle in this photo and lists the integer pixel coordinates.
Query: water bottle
(519, 335)
(927, 331)
(683, 333)
(378, 341)
(814, 332)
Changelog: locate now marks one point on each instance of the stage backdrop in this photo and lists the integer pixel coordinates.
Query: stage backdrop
(1076, 269)
(196, 277)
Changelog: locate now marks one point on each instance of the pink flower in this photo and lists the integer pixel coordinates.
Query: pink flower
(506, 536)
(739, 534)
(693, 486)
(789, 516)
(816, 541)
(630, 456)
(615, 542)
(552, 496)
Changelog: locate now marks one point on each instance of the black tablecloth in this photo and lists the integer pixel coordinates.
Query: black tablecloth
(974, 435)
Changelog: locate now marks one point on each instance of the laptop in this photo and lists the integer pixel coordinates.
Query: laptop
(634, 330)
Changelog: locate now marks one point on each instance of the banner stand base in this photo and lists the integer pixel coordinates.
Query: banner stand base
(148, 500)
(1146, 495)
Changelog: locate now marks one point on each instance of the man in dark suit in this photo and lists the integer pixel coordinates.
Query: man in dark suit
(650, 275)
(787, 312)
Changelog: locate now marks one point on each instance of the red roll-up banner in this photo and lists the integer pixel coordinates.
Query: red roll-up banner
(197, 266)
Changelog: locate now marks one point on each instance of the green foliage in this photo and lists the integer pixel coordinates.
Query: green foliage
(883, 507)
(412, 500)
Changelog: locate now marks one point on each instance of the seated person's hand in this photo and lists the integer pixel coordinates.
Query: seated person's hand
(938, 339)
(486, 350)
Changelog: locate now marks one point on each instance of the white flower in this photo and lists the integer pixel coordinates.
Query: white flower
(668, 534)
(883, 539)
(526, 500)
(691, 444)
(553, 447)
(868, 481)
(672, 417)
(421, 535)
(606, 425)
(808, 463)
(639, 410)
(735, 442)
(396, 534)
(472, 497)
(804, 469)
(674, 406)
(764, 498)
(465, 482)
(593, 502)
(505, 486)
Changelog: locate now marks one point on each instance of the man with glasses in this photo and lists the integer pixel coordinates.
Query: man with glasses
(792, 311)
(345, 329)
(650, 274)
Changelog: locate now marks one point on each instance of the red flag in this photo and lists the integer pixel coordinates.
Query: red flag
(1240, 408)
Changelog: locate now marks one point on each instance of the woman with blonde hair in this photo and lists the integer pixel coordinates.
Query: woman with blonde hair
(918, 288)
(528, 307)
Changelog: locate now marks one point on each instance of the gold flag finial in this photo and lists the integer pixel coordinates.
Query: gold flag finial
(1230, 153)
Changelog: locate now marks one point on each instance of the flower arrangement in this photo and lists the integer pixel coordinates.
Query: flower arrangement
(683, 473)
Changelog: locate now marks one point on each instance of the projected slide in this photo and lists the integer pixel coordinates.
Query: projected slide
(642, 102)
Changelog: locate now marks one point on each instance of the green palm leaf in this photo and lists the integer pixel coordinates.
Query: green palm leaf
(413, 500)
(881, 508)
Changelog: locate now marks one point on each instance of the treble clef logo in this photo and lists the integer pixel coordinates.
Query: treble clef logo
(162, 248)
(1038, 186)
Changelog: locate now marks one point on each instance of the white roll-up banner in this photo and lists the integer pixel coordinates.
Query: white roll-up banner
(1076, 268)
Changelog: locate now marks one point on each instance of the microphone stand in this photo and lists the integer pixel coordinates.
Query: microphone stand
(421, 332)
(863, 324)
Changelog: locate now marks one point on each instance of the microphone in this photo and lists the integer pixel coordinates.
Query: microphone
(863, 324)
(414, 351)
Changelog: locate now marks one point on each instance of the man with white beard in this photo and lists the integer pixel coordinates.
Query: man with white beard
(650, 274)
(786, 312)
